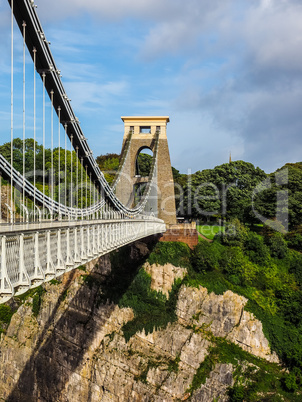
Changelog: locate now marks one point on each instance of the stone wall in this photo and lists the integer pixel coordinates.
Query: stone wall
(185, 232)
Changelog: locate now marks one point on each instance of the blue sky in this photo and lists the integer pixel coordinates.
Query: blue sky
(228, 73)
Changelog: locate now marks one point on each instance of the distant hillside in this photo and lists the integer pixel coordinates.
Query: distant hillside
(226, 191)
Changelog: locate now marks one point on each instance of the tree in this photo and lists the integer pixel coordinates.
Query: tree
(206, 200)
(277, 245)
(29, 146)
(237, 181)
(108, 164)
(206, 256)
(235, 234)
(143, 164)
(225, 191)
(288, 180)
(256, 250)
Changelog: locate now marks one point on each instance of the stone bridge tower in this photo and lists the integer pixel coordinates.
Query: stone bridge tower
(162, 200)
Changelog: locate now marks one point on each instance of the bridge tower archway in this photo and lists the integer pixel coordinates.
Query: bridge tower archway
(143, 131)
(143, 162)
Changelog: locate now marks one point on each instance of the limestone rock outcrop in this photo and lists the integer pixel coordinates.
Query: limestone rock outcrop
(164, 276)
(225, 317)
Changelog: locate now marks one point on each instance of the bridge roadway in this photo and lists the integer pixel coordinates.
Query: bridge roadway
(33, 253)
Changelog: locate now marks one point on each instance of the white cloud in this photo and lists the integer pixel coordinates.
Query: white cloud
(94, 96)
(274, 35)
(115, 9)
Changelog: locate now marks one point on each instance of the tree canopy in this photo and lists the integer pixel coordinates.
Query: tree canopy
(283, 195)
(225, 191)
(108, 164)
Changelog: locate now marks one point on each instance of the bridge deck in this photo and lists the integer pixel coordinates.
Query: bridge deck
(31, 254)
(17, 228)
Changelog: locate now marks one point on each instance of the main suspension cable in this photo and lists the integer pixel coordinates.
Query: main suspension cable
(12, 111)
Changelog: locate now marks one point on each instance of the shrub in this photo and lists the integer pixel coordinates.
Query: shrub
(37, 300)
(175, 253)
(290, 383)
(237, 393)
(151, 308)
(6, 313)
(124, 266)
(295, 241)
(235, 234)
(296, 266)
(206, 256)
(284, 338)
(277, 245)
(237, 267)
(214, 281)
(274, 226)
(294, 238)
(256, 250)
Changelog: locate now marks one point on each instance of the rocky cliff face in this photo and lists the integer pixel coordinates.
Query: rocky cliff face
(74, 350)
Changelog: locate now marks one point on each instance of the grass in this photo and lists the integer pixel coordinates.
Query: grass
(209, 231)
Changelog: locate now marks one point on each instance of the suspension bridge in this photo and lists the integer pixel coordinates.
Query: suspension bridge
(62, 212)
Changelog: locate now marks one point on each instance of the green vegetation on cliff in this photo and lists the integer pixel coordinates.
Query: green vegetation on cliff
(260, 267)
(6, 314)
(152, 309)
(268, 274)
(252, 376)
(8, 310)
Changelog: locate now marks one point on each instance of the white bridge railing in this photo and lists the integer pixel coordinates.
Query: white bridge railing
(33, 254)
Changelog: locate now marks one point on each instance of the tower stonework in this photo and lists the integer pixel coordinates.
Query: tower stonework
(162, 198)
